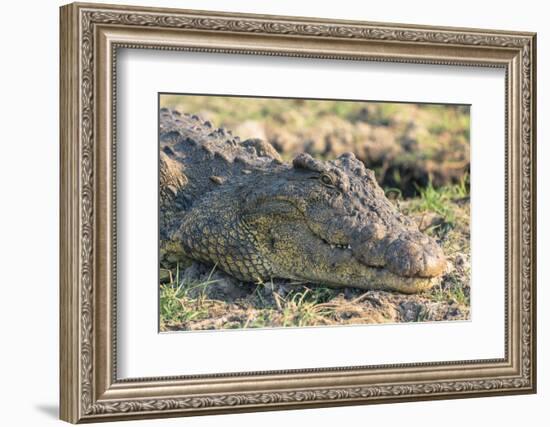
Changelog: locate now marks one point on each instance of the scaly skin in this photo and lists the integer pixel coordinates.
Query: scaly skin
(237, 205)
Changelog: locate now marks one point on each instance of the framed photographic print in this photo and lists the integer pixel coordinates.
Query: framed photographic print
(266, 212)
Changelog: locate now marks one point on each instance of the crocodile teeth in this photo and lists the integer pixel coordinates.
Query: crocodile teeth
(333, 246)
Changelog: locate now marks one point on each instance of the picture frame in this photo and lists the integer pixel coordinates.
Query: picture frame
(91, 37)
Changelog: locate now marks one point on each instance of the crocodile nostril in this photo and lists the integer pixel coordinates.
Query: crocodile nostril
(434, 262)
(415, 256)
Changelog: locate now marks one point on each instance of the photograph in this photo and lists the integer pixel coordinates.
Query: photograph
(289, 212)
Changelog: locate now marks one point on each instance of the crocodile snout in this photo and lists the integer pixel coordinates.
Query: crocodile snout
(408, 254)
(415, 255)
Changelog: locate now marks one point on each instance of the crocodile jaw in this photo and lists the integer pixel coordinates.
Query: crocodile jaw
(299, 253)
(352, 273)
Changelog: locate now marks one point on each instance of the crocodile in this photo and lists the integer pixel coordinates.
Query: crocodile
(237, 205)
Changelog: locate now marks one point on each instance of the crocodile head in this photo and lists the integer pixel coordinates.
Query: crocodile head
(323, 222)
(330, 222)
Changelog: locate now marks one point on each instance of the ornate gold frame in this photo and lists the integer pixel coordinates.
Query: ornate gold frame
(90, 36)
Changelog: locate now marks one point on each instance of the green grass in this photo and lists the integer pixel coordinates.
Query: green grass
(453, 119)
(302, 306)
(304, 309)
(183, 301)
(437, 201)
(441, 200)
(452, 292)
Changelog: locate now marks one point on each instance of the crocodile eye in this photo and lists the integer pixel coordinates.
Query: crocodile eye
(327, 180)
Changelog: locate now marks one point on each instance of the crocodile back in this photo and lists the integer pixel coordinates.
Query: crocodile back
(196, 158)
